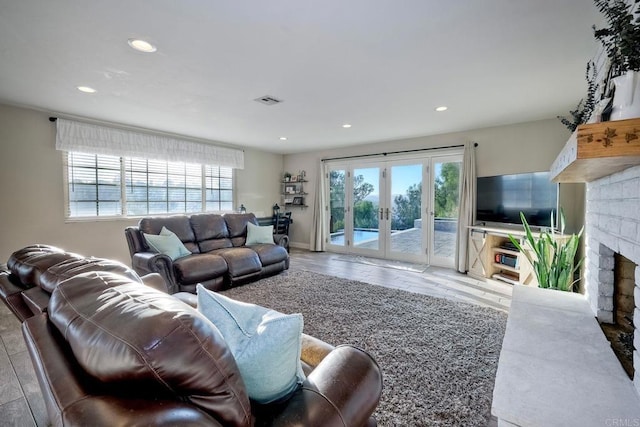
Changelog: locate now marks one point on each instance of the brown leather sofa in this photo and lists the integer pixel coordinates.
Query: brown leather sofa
(111, 351)
(33, 272)
(219, 256)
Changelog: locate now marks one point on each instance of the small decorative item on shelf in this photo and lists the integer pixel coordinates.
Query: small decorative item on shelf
(303, 175)
(290, 189)
(297, 200)
(294, 178)
(287, 177)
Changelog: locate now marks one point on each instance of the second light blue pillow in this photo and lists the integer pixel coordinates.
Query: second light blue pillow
(266, 344)
(257, 234)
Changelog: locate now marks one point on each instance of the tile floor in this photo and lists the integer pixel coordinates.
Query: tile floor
(21, 402)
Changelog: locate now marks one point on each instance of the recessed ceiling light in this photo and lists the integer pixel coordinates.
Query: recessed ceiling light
(283, 138)
(346, 125)
(86, 89)
(142, 45)
(442, 108)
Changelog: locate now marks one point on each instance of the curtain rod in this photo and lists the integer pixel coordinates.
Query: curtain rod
(475, 144)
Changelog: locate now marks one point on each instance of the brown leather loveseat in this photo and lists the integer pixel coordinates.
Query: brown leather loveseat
(33, 272)
(219, 257)
(111, 351)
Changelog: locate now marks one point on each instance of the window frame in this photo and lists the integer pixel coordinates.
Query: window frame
(123, 193)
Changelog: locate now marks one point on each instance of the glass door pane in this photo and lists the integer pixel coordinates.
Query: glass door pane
(366, 206)
(406, 236)
(337, 207)
(446, 197)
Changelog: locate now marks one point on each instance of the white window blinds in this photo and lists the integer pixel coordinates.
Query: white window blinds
(72, 136)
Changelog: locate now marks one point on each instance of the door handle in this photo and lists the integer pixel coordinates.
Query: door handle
(387, 214)
(381, 213)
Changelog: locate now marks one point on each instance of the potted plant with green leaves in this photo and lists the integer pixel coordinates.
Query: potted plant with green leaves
(585, 107)
(621, 41)
(554, 263)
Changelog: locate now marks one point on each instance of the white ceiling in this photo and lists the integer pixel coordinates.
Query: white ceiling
(381, 65)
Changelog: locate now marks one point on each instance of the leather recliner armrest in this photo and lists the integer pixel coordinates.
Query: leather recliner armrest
(343, 390)
(281, 240)
(148, 262)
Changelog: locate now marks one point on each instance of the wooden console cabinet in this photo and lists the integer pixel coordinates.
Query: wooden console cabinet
(490, 257)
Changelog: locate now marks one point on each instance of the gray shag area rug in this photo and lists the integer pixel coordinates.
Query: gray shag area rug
(438, 357)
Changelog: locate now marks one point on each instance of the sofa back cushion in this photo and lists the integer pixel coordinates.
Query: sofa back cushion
(56, 274)
(211, 232)
(237, 226)
(178, 224)
(30, 262)
(131, 336)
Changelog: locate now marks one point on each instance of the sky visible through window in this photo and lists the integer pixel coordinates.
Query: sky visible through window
(405, 176)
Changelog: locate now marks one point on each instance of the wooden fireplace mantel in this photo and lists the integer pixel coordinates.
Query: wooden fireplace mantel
(597, 150)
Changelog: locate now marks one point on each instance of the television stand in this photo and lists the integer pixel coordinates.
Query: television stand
(491, 255)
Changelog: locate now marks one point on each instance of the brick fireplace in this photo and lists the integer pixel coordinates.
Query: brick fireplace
(612, 231)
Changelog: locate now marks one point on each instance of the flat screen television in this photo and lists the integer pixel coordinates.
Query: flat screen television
(502, 198)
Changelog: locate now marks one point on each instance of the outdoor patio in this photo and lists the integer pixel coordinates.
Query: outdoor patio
(410, 241)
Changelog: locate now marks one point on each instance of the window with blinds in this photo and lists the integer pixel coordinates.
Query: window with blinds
(101, 185)
(219, 188)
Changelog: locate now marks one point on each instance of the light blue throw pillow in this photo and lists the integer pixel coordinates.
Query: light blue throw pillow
(266, 344)
(167, 243)
(257, 234)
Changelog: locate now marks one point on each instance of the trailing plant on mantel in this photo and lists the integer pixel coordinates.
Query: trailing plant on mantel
(584, 109)
(621, 39)
(554, 263)
(621, 42)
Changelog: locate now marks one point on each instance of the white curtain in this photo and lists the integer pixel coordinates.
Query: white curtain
(319, 228)
(95, 139)
(467, 205)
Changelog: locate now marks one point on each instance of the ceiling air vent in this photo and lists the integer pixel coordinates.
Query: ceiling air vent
(268, 100)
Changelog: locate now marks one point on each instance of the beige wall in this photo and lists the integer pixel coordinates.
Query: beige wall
(524, 147)
(31, 176)
(31, 191)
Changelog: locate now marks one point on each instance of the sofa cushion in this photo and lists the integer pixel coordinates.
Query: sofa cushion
(266, 344)
(30, 262)
(199, 267)
(240, 261)
(211, 232)
(172, 348)
(167, 243)
(259, 234)
(64, 270)
(178, 224)
(237, 226)
(270, 254)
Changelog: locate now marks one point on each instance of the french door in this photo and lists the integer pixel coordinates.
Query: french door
(394, 209)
